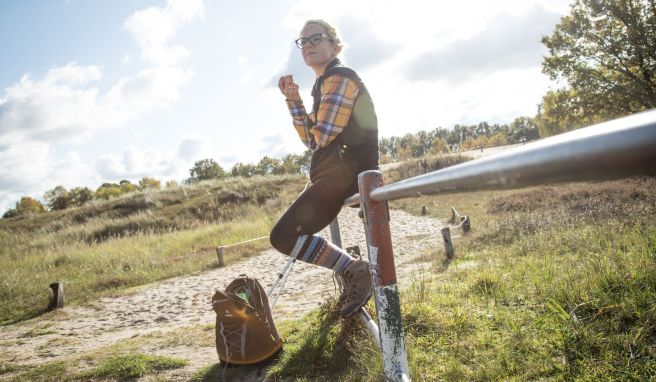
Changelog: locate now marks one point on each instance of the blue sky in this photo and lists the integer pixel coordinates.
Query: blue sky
(99, 91)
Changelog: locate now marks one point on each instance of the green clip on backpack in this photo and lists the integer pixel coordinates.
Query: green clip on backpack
(245, 332)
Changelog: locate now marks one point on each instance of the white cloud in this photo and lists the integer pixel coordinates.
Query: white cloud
(363, 50)
(135, 163)
(275, 146)
(508, 41)
(24, 166)
(65, 106)
(154, 29)
(58, 107)
(364, 47)
(194, 148)
(149, 89)
(31, 168)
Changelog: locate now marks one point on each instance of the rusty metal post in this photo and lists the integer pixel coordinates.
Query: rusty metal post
(383, 274)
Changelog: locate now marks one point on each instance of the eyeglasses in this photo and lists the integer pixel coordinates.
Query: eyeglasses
(314, 40)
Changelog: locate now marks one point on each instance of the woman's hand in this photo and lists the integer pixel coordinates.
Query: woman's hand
(289, 88)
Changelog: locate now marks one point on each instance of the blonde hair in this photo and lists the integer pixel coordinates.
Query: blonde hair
(330, 30)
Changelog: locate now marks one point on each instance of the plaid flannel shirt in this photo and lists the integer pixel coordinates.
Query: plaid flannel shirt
(338, 94)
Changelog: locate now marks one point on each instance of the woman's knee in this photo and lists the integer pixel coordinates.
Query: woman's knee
(280, 241)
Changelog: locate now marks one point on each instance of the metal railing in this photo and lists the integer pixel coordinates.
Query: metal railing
(609, 150)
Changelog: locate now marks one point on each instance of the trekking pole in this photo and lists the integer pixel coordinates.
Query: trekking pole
(282, 276)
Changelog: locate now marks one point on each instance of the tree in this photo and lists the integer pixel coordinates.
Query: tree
(81, 195)
(206, 169)
(149, 183)
(291, 164)
(25, 206)
(57, 199)
(268, 166)
(240, 169)
(127, 186)
(605, 51)
(108, 190)
(560, 111)
(522, 129)
(305, 161)
(439, 146)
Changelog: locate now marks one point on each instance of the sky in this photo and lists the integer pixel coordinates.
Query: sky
(98, 91)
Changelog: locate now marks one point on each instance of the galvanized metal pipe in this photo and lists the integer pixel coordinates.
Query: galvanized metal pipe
(335, 235)
(371, 325)
(614, 149)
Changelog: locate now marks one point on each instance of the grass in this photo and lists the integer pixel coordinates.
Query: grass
(553, 283)
(6, 368)
(109, 247)
(117, 367)
(124, 360)
(563, 289)
(132, 366)
(418, 166)
(47, 372)
(317, 347)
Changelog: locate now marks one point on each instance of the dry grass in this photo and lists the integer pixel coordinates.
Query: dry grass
(109, 246)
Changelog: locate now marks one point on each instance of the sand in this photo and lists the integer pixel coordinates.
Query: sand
(185, 301)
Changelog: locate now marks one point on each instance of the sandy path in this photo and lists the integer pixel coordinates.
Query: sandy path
(185, 301)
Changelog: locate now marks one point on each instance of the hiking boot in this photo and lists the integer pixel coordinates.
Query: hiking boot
(357, 288)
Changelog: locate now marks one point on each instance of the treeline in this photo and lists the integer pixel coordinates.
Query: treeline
(459, 138)
(59, 198)
(437, 141)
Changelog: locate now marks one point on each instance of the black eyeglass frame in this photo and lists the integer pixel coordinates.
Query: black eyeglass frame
(301, 42)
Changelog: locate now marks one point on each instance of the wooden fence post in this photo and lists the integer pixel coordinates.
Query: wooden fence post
(454, 213)
(219, 255)
(466, 226)
(58, 295)
(448, 244)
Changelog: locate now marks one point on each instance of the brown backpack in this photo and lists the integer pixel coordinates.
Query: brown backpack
(245, 332)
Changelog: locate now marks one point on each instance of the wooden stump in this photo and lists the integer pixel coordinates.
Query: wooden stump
(466, 224)
(454, 213)
(58, 295)
(219, 255)
(448, 244)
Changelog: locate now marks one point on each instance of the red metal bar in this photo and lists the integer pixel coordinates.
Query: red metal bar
(383, 274)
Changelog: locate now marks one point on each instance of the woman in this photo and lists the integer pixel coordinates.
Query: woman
(342, 130)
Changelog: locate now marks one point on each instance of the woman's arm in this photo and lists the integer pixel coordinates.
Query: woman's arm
(303, 123)
(338, 94)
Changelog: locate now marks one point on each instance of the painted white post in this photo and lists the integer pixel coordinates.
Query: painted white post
(383, 274)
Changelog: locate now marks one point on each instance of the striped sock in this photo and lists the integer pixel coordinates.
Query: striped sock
(317, 250)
